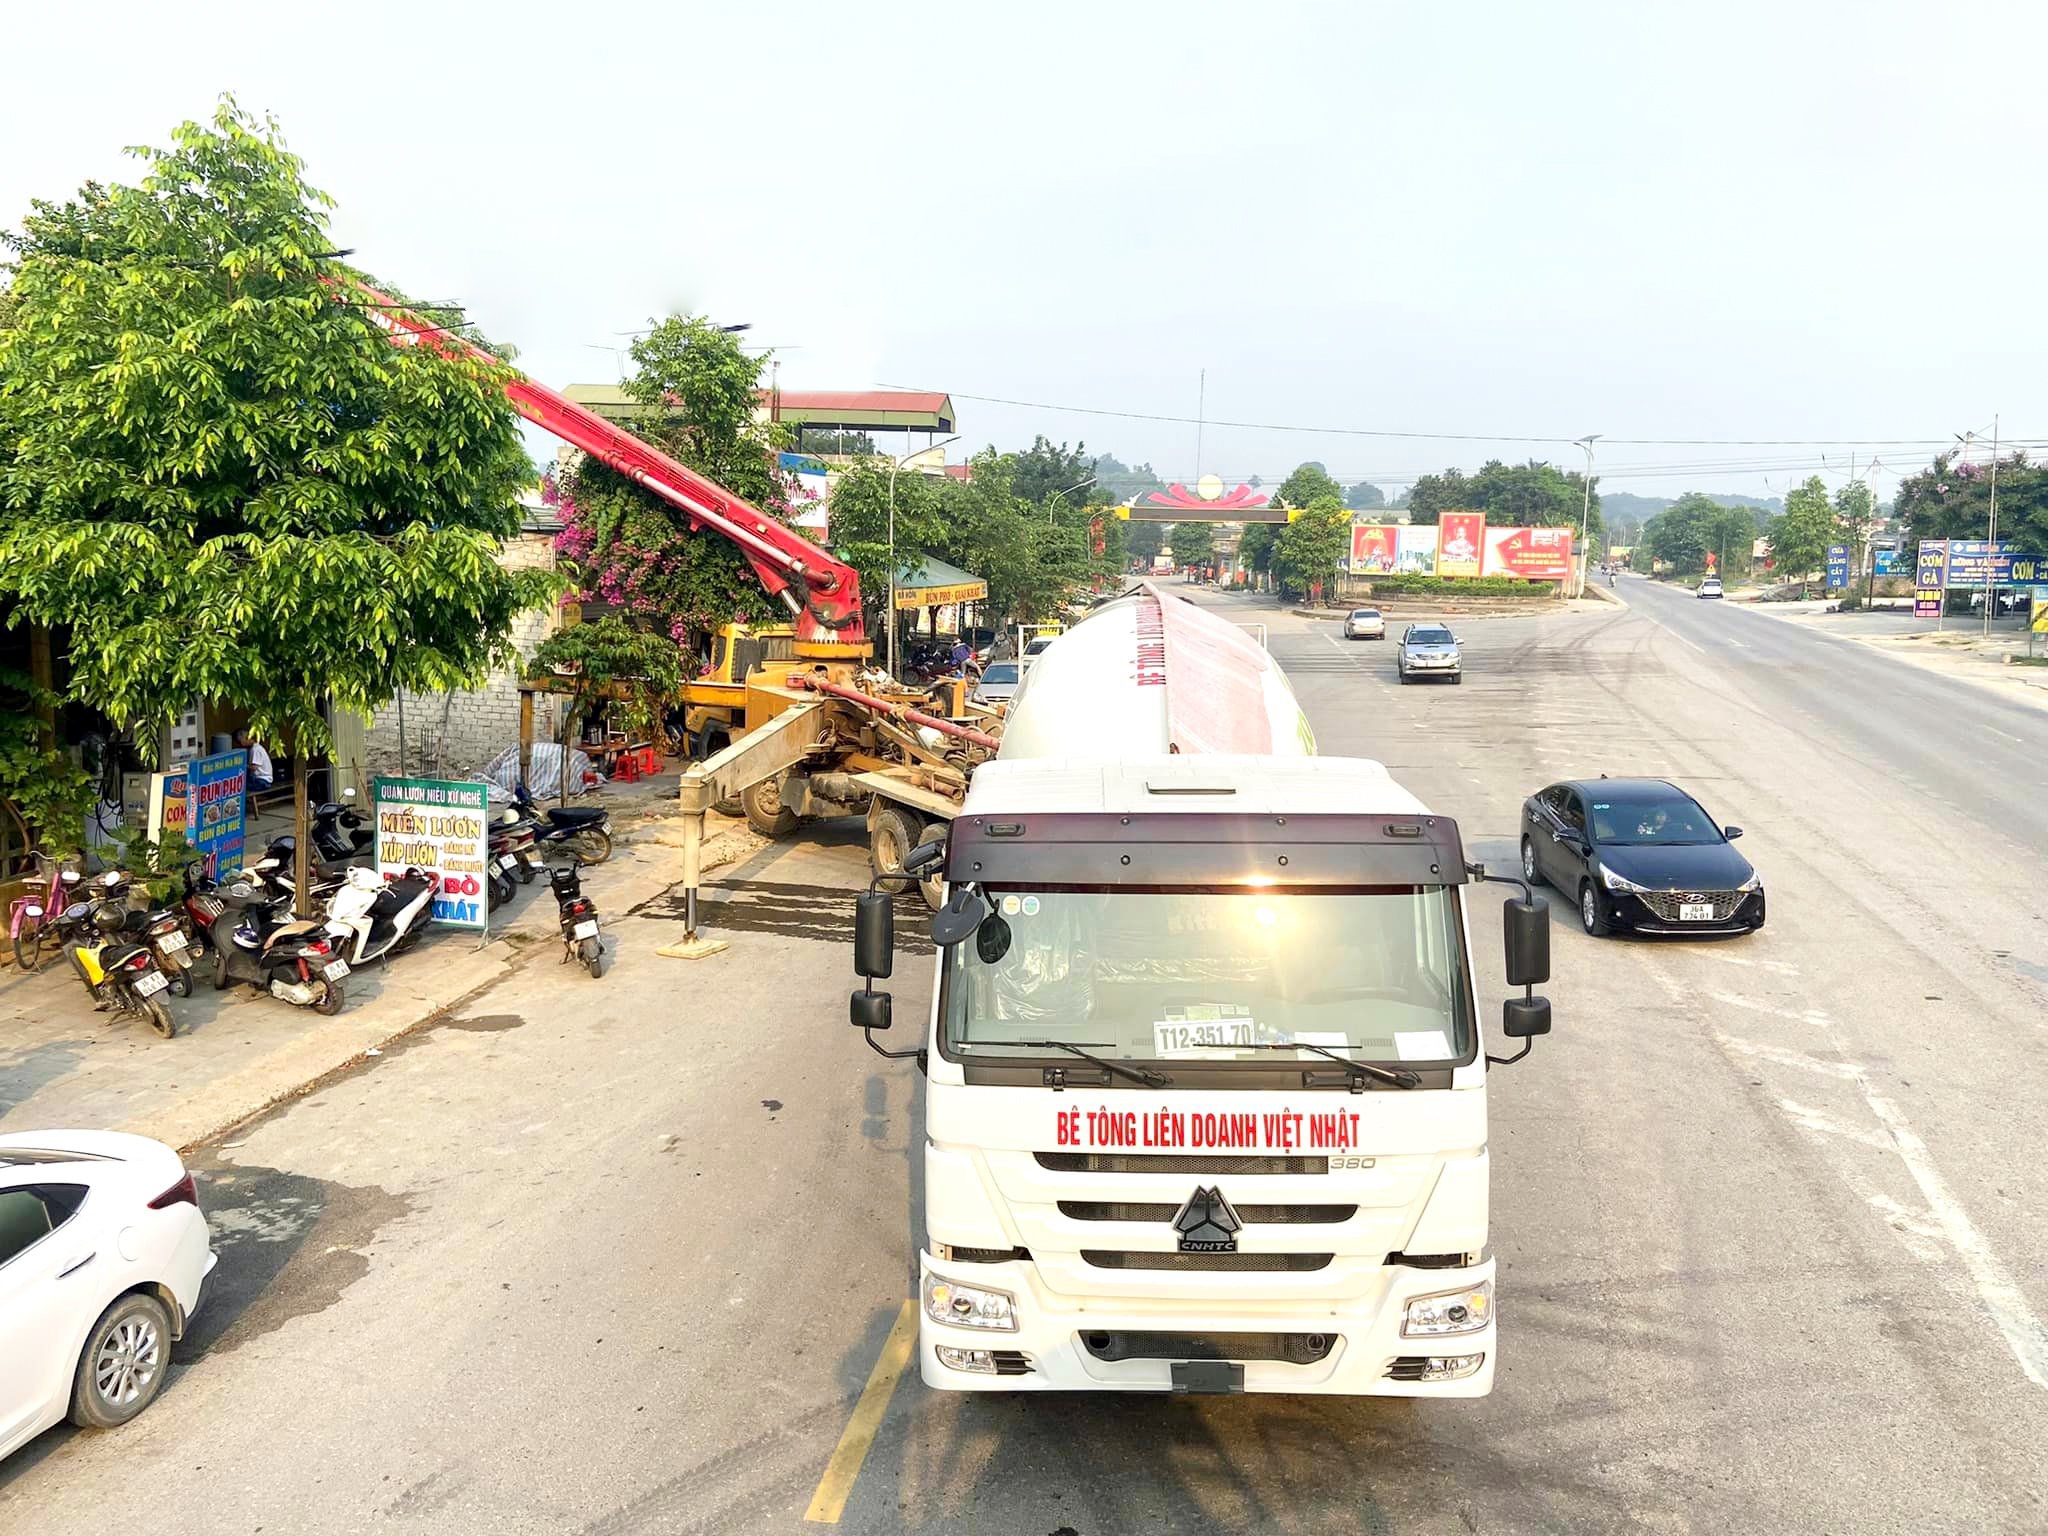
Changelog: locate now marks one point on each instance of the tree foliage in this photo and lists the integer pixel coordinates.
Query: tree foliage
(592, 660)
(1693, 526)
(1951, 500)
(1044, 470)
(1308, 484)
(1119, 481)
(228, 484)
(1364, 497)
(1145, 540)
(1306, 551)
(1800, 539)
(39, 784)
(631, 548)
(1255, 547)
(1192, 543)
(1532, 495)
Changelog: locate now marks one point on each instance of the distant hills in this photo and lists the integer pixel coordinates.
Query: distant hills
(1616, 505)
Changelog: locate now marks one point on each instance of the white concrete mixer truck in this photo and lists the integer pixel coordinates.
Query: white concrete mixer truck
(1207, 1089)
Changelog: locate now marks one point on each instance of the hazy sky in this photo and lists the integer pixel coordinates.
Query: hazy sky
(1802, 221)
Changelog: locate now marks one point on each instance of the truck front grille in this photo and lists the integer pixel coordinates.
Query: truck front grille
(1204, 1263)
(1171, 1162)
(1251, 1215)
(1294, 1348)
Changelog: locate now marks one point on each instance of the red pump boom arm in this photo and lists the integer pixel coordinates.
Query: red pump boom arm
(823, 594)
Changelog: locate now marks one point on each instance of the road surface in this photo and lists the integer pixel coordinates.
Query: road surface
(621, 1256)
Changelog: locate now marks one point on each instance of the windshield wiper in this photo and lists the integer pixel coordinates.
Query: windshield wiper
(1399, 1077)
(1143, 1075)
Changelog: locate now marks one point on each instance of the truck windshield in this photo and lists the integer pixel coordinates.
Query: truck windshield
(1180, 976)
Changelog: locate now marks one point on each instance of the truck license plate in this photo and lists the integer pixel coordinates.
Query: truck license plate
(1696, 912)
(173, 941)
(586, 929)
(150, 983)
(334, 970)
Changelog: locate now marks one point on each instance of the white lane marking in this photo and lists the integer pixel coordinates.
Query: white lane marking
(2008, 735)
(1720, 953)
(1814, 1120)
(2005, 1301)
(1785, 1058)
(1803, 1016)
(1737, 644)
(1674, 634)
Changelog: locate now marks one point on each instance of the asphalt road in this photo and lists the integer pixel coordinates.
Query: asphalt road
(619, 1256)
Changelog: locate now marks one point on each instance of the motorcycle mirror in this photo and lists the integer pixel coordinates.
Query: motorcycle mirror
(349, 793)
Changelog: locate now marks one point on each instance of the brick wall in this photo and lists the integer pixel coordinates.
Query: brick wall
(456, 734)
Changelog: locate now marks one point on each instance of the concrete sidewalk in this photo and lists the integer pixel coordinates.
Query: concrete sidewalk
(1958, 648)
(238, 1052)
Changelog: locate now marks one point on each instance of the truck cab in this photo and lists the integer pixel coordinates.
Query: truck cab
(1206, 1107)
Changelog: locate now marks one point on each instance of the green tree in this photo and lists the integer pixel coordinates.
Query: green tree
(1528, 495)
(1800, 539)
(860, 528)
(1306, 551)
(1433, 495)
(1044, 470)
(230, 485)
(1119, 481)
(1855, 509)
(1950, 500)
(1144, 540)
(629, 547)
(1364, 497)
(1192, 543)
(607, 659)
(1255, 547)
(1308, 484)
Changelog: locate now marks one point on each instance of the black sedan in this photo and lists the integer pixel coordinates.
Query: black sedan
(1640, 856)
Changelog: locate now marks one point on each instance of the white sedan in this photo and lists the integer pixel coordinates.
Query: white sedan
(1365, 624)
(102, 1254)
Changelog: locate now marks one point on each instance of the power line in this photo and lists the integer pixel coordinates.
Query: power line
(1442, 437)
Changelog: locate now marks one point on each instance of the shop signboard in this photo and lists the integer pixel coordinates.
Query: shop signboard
(1373, 549)
(1930, 579)
(1979, 562)
(1888, 561)
(2037, 612)
(217, 809)
(1533, 554)
(808, 484)
(1461, 543)
(1415, 550)
(440, 826)
(1838, 567)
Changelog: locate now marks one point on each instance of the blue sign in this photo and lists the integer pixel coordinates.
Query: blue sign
(216, 808)
(1838, 565)
(1890, 562)
(1979, 562)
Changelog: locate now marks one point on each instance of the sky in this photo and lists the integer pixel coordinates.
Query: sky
(1498, 221)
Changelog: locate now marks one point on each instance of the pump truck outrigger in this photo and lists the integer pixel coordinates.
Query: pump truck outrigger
(1206, 1107)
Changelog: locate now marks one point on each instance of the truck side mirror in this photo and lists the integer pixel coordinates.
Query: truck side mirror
(923, 857)
(1525, 934)
(874, 936)
(869, 1009)
(959, 917)
(1522, 1017)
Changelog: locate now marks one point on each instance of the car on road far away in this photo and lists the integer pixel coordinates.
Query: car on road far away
(1429, 650)
(1365, 624)
(1640, 856)
(998, 685)
(1711, 587)
(102, 1254)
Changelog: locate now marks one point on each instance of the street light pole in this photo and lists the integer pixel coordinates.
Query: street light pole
(1991, 550)
(894, 466)
(1056, 495)
(1586, 508)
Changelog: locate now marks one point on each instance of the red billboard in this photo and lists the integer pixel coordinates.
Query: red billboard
(1533, 554)
(1372, 549)
(1461, 541)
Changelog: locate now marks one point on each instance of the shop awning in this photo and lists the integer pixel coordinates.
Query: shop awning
(931, 583)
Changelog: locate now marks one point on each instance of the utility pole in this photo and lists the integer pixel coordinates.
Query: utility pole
(1201, 411)
(1586, 509)
(894, 466)
(1991, 550)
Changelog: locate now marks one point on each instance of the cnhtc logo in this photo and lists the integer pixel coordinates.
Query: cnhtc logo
(1207, 1224)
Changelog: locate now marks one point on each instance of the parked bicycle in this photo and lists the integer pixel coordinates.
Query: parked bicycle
(33, 920)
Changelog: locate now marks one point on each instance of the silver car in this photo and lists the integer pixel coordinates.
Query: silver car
(998, 685)
(1365, 624)
(1428, 650)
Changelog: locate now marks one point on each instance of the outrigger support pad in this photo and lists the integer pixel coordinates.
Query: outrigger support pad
(694, 797)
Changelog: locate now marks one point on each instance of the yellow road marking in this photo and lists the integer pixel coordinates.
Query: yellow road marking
(836, 1486)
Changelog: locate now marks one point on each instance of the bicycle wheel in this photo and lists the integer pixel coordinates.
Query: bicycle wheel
(28, 948)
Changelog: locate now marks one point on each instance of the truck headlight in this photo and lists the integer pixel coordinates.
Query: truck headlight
(1465, 1311)
(969, 1306)
(1615, 882)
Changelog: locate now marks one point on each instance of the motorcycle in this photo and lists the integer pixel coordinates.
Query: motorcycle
(579, 828)
(579, 917)
(381, 917)
(338, 831)
(511, 852)
(162, 929)
(290, 958)
(117, 973)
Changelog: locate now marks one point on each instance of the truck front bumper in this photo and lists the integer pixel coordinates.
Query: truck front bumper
(1350, 1348)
